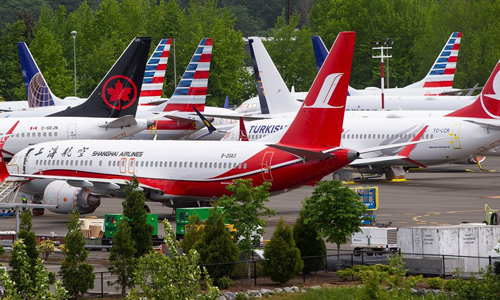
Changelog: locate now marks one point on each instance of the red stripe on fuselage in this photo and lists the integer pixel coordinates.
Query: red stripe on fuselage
(438, 84)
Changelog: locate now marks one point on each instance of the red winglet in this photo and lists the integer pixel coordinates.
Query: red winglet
(407, 149)
(243, 132)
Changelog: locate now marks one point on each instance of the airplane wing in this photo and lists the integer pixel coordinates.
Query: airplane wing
(120, 122)
(237, 117)
(491, 124)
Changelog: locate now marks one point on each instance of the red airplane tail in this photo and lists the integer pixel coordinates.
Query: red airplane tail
(318, 123)
(487, 104)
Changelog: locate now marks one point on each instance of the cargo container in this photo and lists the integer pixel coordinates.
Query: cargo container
(377, 239)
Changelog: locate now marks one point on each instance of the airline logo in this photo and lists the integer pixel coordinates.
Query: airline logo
(119, 92)
(156, 67)
(38, 92)
(443, 70)
(491, 102)
(326, 92)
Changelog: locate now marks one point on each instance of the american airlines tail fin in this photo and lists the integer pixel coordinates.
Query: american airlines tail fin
(487, 104)
(37, 89)
(319, 122)
(118, 93)
(192, 89)
(271, 81)
(154, 76)
(442, 72)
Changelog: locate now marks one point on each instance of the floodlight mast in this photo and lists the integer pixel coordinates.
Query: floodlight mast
(383, 45)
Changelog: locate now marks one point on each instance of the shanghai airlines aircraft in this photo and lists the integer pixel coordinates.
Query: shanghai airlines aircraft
(40, 96)
(176, 172)
(112, 105)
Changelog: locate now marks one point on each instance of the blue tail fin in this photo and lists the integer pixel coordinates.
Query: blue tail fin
(37, 91)
(320, 51)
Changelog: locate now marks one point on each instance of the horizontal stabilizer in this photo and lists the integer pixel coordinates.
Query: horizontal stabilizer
(378, 148)
(383, 161)
(238, 116)
(120, 122)
(490, 123)
(305, 154)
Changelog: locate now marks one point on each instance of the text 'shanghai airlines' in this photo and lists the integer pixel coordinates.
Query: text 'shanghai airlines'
(458, 135)
(177, 172)
(107, 114)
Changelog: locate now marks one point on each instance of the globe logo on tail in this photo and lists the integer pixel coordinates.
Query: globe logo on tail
(38, 92)
(324, 95)
(119, 92)
(491, 102)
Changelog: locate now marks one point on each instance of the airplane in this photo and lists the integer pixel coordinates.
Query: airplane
(107, 114)
(465, 133)
(39, 94)
(178, 174)
(437, 82)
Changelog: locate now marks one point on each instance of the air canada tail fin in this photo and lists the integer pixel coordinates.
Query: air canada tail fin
(37, 90)
(442, 72)
(318, 123)
(118, 93)
(192, 89)
(154, 76)
(487, 104)
(275, 98)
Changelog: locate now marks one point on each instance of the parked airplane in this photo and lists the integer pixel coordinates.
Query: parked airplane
(39, 94)
(438, 81)
(107, 114)
(177, 173)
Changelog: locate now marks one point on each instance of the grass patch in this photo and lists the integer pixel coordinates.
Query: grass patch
(343, 293)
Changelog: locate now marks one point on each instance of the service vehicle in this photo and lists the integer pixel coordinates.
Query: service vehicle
(375, 240)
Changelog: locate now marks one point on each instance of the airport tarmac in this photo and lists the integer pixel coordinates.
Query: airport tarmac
(439, 196)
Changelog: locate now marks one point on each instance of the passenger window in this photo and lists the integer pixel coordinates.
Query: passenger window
(22, 134)
(245, 166)
(44, 134)
(50, 133)
(185, 164)
(55, 133)
(39, 134)
(161, 164)
(28, 134)
(190, 164)
(175, 164)
(100, 163)
(195, 165)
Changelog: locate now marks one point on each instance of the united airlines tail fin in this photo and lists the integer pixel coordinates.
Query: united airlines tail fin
(487, 104)
(318, 123)
(118, 93)
(320, 51)
(442, 72)
(274, 96)
(192, 89)
(154, 76)
(37, 89)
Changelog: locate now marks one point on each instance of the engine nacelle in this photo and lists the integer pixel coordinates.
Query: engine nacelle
(473, 160)
(67, 197)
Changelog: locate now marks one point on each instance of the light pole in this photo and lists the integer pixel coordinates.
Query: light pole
(382, 45)
(73, 33)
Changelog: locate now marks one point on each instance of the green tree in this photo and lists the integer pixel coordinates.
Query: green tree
(173, 276)
(29, 246)
(134, 211)
(35, 283)
(309, 242)
(11, 79)
(122, 257)
(283, 260)
(335, 211)
(77, 276)
(217, 246)
(243, 208)
(192, 233)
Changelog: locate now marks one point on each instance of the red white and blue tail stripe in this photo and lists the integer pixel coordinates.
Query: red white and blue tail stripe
(154, 76)
(192, 89)
(442, 72)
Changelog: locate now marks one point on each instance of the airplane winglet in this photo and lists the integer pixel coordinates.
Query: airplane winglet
(243, 131)
(207, 123)
(4, 173)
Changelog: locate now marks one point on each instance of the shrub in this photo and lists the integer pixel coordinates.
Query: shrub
(2, 250)
(435, 282)
(309, 242)
(448, 284)
(46, 247)
(241, 271)
(225, 282)
(347, 274)
(283, 260)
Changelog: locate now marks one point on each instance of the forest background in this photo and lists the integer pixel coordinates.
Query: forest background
(418, 28)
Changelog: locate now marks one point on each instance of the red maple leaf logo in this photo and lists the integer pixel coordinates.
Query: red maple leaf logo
(118, 92)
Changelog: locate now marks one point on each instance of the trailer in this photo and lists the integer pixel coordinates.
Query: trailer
(111, 222)
(375, 240)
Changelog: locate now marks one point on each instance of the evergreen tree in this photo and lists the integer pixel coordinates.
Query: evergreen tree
(77, 276)
(11, 78)
(283, 260)
(335, 211)
(174, 276)
(192, 233)
(217, 246)
(29, 246)
(135, 213)
(35, 279)
(309, 242)
(122, 257)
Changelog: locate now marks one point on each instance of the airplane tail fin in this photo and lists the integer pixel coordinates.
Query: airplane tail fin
(243, 136)
(442, 72)
(37, 89)
(118, 93)
(275, 98)
(487, 104)
(154, 76)
(192, 89)
(320, 51)
(318, 123)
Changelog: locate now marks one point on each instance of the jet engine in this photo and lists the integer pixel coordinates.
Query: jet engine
(67, 197)
(473, 160)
